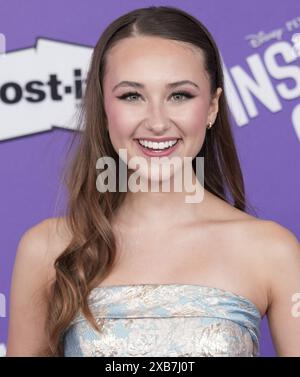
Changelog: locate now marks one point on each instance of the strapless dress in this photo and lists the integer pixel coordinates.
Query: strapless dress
(169, 320)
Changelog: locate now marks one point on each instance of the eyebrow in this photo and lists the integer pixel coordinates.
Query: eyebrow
(139, 85)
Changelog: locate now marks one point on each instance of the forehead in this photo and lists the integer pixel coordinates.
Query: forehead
(158, 58)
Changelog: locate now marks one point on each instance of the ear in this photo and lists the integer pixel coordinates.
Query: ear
(214, 106)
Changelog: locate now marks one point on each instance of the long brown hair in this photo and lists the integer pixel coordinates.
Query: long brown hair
(90, 255)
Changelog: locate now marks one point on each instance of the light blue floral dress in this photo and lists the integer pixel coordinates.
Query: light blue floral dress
(165, 320)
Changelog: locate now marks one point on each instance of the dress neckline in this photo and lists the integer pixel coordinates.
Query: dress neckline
(199, 286)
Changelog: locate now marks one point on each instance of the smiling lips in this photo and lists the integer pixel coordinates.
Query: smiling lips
(157, 147)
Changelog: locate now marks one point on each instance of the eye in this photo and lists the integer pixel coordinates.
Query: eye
(125, 96)
(187, 95)
(128, 95)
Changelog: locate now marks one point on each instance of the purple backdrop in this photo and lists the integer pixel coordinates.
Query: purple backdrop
(268, 140)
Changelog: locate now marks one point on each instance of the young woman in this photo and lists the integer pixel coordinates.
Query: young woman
(145, 273)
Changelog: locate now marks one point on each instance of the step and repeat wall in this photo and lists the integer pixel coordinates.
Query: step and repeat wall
(45, 48)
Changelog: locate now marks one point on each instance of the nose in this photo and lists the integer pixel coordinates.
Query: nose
(157, 121)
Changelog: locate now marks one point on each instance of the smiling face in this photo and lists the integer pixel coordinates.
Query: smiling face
(143, 103)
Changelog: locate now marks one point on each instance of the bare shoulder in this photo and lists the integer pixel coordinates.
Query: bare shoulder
(267, 233)
(266, 253)
(280, 249)
(282, 270)
(264, 239)
(264, 259)
(276, 257)
(282, 239)
(41, 244)
(33, 272)
(272, 240)
(49, 235)
(267, 240)
(273, 250)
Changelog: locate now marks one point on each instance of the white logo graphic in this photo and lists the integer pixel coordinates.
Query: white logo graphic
(296, 306)
(2, 305)
(40, 87)
(2, 314)
(296, 41)
(2, 44)
(2, 350)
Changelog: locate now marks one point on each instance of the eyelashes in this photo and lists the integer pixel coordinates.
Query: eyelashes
(127, 95)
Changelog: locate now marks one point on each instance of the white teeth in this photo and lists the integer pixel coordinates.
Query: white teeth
(155, 145)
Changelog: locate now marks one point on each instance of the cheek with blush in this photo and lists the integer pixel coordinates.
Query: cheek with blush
(121, 126)
(194, 131)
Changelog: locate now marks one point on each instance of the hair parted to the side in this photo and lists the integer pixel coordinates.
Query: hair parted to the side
(89, 257)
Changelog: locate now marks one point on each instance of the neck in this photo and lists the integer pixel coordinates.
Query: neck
(164, 207)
